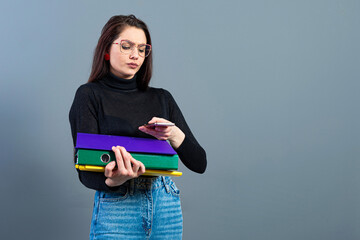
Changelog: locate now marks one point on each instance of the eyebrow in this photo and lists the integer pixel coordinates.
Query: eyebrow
(133, 42)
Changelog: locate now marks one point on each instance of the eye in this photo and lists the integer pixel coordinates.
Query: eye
(142, 48)
(126, 45)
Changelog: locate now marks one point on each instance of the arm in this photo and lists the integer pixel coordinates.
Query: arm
(83, 118)
(180, 137)
(83, 113)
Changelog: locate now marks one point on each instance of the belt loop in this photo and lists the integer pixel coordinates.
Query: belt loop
(147, 183)
(165, 184)
(100, 194)
(131, 186)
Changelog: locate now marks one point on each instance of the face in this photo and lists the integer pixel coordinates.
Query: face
(127, 65)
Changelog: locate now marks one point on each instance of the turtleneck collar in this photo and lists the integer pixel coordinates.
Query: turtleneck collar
(115, 82)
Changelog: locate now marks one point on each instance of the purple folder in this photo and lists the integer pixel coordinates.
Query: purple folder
(131, 144)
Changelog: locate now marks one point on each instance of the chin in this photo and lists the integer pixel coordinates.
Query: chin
(130, 76)
(126, 75)
(132, 73)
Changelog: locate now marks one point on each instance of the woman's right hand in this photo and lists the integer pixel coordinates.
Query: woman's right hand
(127, 168)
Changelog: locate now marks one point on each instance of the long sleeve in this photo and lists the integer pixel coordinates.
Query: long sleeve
(83, 118)
(83, 112)
(190, 152)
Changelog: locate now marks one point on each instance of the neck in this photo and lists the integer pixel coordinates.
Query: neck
(116, 82)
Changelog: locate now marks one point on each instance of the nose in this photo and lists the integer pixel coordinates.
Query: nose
(134, 53)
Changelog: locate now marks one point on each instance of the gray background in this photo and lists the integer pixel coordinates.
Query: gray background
(270, 89)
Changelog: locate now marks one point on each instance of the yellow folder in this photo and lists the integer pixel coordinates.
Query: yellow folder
(148, 172)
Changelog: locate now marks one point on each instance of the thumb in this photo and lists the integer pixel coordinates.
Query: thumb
(109, 168)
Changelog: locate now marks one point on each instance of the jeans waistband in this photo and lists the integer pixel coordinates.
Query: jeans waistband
(148, 183)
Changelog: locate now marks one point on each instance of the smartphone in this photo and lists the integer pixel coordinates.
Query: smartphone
(159, 124)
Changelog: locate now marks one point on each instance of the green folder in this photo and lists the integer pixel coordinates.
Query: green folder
(103, 157)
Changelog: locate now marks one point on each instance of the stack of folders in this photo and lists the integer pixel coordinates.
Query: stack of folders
(94, 151)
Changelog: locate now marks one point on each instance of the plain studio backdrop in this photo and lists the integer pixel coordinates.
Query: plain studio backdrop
(269, 88)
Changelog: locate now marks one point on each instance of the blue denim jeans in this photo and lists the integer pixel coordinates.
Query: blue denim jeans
(143, 208)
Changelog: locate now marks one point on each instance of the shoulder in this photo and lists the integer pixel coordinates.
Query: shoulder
(87, 89)
(160, 91)
(86, 93)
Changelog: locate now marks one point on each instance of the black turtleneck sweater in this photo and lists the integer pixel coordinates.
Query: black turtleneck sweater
(115, 106)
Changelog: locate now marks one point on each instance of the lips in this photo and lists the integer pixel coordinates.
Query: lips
(132, 65)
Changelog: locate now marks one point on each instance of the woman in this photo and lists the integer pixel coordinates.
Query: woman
(117, 101)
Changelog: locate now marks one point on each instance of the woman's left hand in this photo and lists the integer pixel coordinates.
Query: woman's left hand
(171, 133)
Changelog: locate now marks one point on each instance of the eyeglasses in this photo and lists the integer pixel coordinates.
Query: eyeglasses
(128, 47)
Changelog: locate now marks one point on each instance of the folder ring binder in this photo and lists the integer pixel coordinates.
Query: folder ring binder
(105, 158)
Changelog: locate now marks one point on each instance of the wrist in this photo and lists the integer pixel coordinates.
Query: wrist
(177, 139)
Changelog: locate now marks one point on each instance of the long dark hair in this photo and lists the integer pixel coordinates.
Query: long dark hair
(110, 32)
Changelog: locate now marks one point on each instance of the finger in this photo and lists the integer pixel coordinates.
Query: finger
(149, 131)
(154, 120)
(157, 119)
(110, 182)
(126, 158)
(142, 169)
(135, 165)
(143, 129)
(118, 156)
(164, 134)
(163, 129)
(158, 130)
(109, 168)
